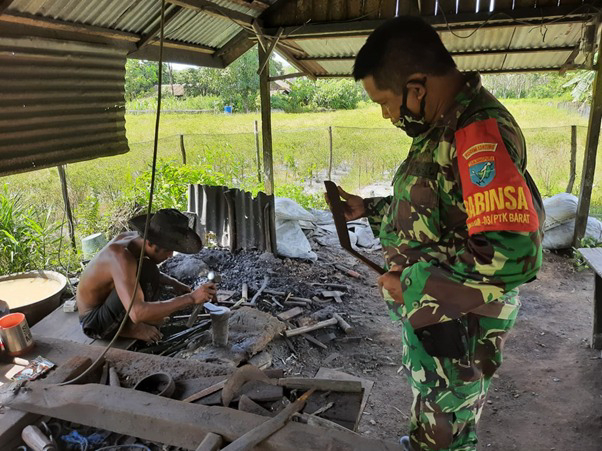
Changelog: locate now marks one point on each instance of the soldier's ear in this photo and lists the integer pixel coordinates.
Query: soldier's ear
(417, 85)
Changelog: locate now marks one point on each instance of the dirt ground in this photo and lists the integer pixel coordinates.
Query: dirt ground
(546, 396)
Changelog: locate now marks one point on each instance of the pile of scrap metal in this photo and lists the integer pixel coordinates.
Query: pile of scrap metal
(204, 419)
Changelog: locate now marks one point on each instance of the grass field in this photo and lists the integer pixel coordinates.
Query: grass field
(366, 150)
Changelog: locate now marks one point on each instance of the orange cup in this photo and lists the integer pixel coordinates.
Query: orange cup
(15, 334)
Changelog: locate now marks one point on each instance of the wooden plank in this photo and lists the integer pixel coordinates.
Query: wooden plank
(593, 256)
(174, 422)
(328, 373)
(215, 10)
(285, 316)
(65, 326)
(573, 160)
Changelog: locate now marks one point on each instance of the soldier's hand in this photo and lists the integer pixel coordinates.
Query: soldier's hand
(391, 281)
(204, 293)
(353, 206)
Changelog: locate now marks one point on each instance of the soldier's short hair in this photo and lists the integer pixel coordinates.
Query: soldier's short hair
(399, 48)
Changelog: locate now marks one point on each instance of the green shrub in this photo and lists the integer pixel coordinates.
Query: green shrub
(28, 239)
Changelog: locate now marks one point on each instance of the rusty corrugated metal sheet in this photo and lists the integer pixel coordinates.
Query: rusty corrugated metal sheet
(62, 102)
(238, 220)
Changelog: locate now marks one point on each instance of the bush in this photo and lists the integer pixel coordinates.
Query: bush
(28, 239)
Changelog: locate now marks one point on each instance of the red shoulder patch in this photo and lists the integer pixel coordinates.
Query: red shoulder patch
(495, 193)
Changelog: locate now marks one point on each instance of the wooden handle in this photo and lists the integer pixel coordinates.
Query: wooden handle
(347, 328)
(211, 442)
(302, 330)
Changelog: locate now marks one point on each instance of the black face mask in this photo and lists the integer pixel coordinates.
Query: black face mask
(413, 124)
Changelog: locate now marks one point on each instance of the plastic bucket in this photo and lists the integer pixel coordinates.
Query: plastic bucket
(228, 109)
(15, 334)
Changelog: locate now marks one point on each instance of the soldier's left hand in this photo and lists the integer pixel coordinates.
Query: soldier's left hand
(391, 281)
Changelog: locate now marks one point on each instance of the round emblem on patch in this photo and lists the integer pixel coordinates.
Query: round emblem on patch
(482, 171)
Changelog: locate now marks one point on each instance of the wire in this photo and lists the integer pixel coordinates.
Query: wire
(541, 25)
(148, 212)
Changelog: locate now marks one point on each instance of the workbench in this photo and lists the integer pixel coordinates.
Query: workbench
(593, 257)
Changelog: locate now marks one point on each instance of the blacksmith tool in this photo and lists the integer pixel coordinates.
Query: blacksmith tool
(219, 323)
(214, 277)
(338, 213)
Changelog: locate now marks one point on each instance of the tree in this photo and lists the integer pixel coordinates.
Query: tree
(140, 77)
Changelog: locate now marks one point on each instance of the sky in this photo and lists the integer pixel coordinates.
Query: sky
(177, 66)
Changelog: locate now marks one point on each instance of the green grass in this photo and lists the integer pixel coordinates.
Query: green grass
(367, 149)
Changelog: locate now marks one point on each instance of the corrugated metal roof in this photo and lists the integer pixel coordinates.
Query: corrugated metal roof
(238, 7)
(62, 102)
(197, 28)
(238, 220)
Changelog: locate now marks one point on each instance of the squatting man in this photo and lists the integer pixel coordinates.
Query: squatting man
(107, 284)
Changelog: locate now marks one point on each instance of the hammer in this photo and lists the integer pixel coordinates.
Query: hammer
(336, 319)
(333, 294)
(212, 276)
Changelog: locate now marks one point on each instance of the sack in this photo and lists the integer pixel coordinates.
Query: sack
(561, 237)
(559, 209)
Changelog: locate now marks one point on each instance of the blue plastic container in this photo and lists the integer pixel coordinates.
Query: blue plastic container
(228, 109)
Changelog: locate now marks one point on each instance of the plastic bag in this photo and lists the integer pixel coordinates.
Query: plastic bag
(289, 209)
(292, 242)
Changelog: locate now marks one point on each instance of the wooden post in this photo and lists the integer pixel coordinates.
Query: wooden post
(257, 149)
(573, 168)
(173, 92)
(589, 159)
(182, 149)
(63, 178)
(330, 160)
(266, 122)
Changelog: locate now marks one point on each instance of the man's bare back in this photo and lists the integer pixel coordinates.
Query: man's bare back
(96, 282)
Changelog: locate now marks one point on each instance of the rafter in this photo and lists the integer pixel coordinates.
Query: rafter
(4, 4)
(215, 10)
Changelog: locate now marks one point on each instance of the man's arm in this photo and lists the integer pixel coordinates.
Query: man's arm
(124, 277)
(178, 286)
(375, 208)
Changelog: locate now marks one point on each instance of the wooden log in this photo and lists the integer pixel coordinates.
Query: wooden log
(314, 341)
(304, 329)
(176, 423)
(246, 404)
(211, 442)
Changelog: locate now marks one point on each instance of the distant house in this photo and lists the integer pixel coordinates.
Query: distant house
(280, 87)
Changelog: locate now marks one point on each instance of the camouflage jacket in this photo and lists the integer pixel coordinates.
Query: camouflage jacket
(461, 250)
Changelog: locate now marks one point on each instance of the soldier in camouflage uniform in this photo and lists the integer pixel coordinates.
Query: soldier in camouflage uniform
(460, 232)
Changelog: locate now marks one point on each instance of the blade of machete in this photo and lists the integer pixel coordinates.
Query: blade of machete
(338, 213)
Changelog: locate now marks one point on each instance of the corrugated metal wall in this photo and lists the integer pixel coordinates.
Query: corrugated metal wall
(238, 220)
(60, 102)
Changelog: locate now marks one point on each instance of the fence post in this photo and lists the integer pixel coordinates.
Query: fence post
(258, 153)
(63, 178)
(573, 168)
(330, 160)
(182, 149)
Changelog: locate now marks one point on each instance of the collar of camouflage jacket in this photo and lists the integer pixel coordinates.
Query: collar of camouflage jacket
(469, 91)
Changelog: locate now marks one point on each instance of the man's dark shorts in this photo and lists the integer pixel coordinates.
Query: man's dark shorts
(104, 320)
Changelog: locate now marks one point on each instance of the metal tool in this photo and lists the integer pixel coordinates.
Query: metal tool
(338, 213)
(214, 277)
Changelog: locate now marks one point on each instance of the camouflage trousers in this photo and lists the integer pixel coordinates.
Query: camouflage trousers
(449, 394)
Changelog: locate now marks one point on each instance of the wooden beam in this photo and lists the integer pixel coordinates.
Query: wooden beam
(4, 4)
(192, 56)
(287, 76)
(188, 47)
(216, 10)
(287, 55)
(173, 422)
(169, 16)
(235, 47)
(52, 24)
(589, 158)
(266, 122)
(457, 53)
(253, 4)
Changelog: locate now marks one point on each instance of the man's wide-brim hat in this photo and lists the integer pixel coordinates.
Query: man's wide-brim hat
(168, 229)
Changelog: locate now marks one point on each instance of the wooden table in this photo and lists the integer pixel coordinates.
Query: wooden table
(593, 257)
